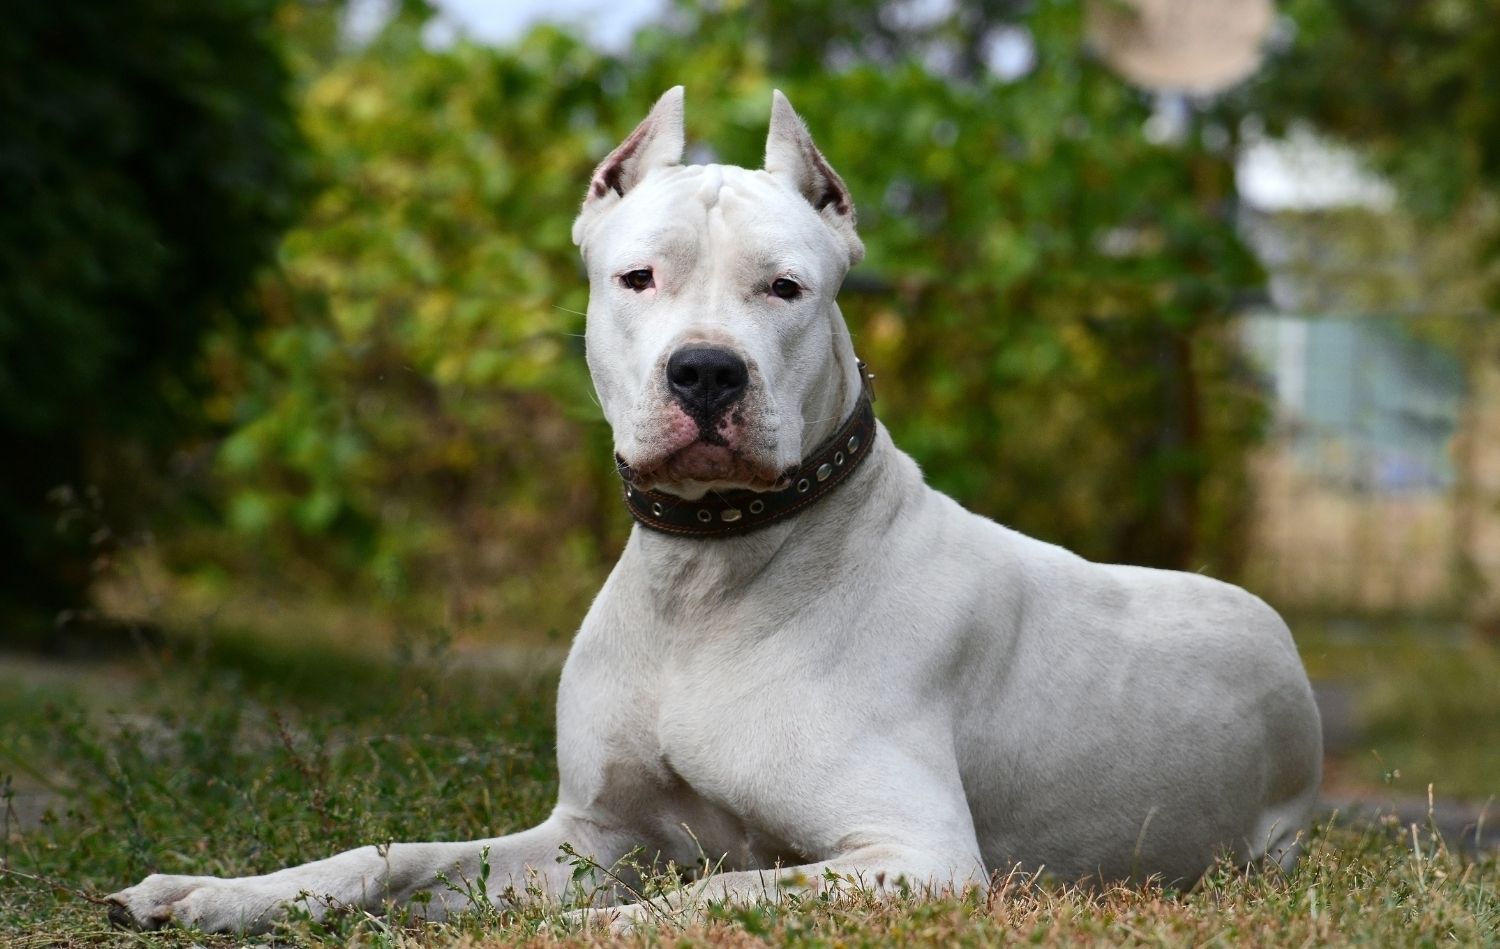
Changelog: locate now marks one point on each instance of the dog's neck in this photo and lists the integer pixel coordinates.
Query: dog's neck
(693, 577)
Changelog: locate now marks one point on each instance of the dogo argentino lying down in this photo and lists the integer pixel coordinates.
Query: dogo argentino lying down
(807, 659)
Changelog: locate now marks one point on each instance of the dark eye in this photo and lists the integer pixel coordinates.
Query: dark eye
(786, 289)
(638, 280)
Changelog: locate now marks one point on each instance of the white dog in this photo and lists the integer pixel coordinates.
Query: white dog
(807, 659)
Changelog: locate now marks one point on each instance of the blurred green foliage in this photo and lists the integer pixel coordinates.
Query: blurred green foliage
(1413, 83)
(415, 406)
(1044, 301)
(1046, 298)
(148, 158)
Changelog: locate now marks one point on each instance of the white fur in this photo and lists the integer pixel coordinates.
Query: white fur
(886, 686)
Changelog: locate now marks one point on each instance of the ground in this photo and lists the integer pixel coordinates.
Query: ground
(227, 754)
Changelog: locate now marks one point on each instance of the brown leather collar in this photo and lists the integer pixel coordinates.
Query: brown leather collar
(732, 513)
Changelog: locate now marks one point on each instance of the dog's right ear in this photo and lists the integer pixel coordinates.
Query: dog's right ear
(656, 143)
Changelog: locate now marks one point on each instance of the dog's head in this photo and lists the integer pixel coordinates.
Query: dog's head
(714, 341)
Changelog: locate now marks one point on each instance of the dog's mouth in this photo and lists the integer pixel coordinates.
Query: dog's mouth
(705, 463)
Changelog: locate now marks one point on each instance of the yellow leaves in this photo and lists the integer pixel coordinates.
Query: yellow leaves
(366, 103)
(885, 328)
(449, 368)
(434, 309)
(882, 336)
(351, 92)
(354, 318)
(329, 91)
(1006, 253)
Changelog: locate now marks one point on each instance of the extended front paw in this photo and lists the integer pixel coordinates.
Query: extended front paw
(155, 901)
(208, 903)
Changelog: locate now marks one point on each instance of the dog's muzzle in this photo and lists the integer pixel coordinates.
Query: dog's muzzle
(731, 513)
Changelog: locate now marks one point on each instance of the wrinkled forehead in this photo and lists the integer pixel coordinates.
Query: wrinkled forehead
(675, 213)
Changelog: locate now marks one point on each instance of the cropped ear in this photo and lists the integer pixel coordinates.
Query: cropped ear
(792, 157)
(656, 143)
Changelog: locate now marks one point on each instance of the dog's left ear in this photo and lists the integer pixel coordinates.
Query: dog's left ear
(656, 143)
(792, 157)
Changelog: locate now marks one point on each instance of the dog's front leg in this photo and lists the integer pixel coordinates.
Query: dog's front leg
(434, 879)
(885, 871)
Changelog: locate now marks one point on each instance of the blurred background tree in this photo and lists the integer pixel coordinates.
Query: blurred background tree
(416, 415)
(1048, 298)
(1412, 83)
(1045, 300)
(148, 155)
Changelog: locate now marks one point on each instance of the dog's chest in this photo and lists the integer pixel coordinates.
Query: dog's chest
(743, 749)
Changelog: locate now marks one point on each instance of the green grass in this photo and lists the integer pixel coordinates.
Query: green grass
(242, 758)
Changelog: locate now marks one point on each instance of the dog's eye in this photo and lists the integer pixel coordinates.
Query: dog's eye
(638, 280)
(786, 289)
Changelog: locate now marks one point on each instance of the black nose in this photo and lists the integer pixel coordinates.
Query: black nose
(706, 378)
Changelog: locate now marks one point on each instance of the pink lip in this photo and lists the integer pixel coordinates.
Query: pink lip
(680, 452)
(701, 461)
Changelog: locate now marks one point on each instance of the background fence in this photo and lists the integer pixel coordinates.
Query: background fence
(1377, 490)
